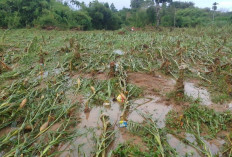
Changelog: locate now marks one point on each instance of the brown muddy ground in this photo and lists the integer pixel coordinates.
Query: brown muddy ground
(153, 103)
(151, 84)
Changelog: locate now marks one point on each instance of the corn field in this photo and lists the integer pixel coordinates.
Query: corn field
(104, 93)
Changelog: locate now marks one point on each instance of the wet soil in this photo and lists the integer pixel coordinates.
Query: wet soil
(151, 85)
(5, 131)
(153, 104)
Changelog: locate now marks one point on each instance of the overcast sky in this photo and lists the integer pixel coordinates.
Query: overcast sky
(225, 5)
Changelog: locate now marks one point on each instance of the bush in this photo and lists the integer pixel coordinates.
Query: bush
(46, 20)
(80, 18)
(3, 21)
(14, 20)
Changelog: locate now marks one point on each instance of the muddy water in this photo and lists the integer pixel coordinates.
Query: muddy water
(91, 119)
(91, 123)
(183, 149)
(196, 93)
(213, 146)
(150, 105)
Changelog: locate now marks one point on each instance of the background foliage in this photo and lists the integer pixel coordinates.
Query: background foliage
(96, 15)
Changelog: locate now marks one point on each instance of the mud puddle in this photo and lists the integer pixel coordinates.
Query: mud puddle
(213, 145)
(183, 149)
(197, 92)
(90, 126)
(84, 145)
(150, 105)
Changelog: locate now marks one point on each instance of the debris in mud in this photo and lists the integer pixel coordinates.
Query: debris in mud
(122, 124)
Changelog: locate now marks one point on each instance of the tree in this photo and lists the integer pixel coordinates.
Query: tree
(182, 5)
(214, 9)
(75, 2)
(107, 5)
(135, 4)
(103, 17)
(151, 15)
(157, 2)
(112, 8)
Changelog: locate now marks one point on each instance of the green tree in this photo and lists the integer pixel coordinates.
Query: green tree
(182, 5)
(112, 8)
(80, 19)
(135, 4)
(151, 15)
(157, 2)
(103, 17)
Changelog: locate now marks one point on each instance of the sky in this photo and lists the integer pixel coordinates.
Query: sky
(224, 5)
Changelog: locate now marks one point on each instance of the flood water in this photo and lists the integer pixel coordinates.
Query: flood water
(183, 149)
(91, 123)
(196, 92)
(150, 105)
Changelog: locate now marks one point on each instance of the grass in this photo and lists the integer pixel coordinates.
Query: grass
(209, 121)
(203, 123)
(72, 64)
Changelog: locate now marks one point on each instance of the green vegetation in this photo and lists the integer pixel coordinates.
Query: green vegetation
(50, 14)
(209, 121)
(49, 78)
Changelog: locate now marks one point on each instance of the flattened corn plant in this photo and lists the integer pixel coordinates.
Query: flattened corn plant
(32, 94)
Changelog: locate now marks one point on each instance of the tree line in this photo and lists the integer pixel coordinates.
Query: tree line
(96, 15)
